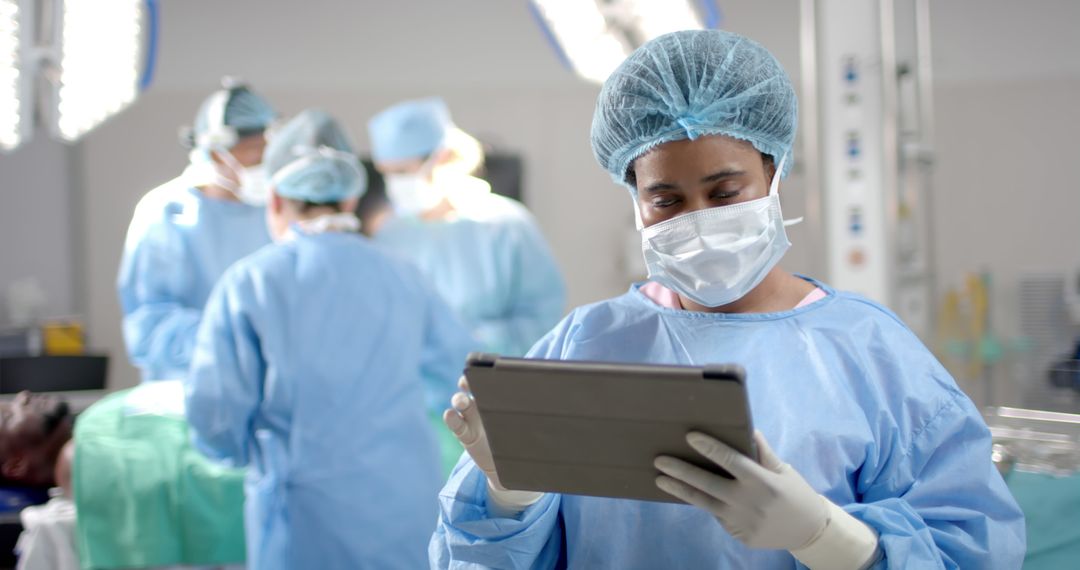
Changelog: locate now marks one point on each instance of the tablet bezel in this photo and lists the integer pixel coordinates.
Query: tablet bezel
(583, 410)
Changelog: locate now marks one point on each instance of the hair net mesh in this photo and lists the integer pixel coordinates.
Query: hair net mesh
(410, 129)
(311, 158)
(690, 84)
(245, 111)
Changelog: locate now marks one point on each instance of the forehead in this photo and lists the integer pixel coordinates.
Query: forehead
(399, 166)
(705, 151)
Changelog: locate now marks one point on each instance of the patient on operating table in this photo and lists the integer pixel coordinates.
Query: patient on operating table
(144, 497)
(33, 430)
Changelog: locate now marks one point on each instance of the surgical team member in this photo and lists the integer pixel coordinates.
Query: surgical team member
(484, 253)
(186, 232)
(309, 370)
(869, 454)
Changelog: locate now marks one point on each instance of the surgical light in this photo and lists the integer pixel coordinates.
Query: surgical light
(595, 36)
(582, 32)
(100, 58)
(12, 81)
(658, 17)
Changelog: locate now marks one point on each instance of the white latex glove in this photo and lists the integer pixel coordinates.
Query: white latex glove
(768, 505)
(464, 421)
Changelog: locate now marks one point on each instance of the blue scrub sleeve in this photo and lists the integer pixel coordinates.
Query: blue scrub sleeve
(446, 344)
(161, 336)
(537, 298)
(225, 385)
(944, 505)
(466, 536)
(159, 330)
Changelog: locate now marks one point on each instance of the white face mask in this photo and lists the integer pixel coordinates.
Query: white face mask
(253, 187)
(718, 255)
(412, 194)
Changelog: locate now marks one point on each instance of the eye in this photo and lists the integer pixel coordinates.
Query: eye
(664, 201)
(725, 194)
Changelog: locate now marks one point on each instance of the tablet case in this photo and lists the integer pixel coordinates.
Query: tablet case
(590, 428)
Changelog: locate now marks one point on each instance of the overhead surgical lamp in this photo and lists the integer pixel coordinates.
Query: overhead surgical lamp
(70, 65)
(14, 84)
(593, 37)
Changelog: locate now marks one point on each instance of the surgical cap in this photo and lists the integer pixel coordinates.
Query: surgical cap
(245, 111)
(691, 84)
(312, 159)
(410, 129)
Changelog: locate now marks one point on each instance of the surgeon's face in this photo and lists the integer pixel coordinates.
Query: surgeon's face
(33, 429)
(249, 150)
(684, 176)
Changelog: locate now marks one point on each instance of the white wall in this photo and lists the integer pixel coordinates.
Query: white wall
(37, 226)
(487, 58)
(1007, 81)
(1005, 196)
(1005, 193)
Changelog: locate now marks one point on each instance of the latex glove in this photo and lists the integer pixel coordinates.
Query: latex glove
(463, 419)
(769, 505)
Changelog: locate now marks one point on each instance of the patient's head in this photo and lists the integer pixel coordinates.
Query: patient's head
(33, 430)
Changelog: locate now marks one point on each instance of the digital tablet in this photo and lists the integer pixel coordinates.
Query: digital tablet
(592, 428)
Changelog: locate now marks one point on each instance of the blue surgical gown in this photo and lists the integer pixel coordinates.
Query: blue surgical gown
(842, 390)
(491, 264)
(178, 245)
(309, 369)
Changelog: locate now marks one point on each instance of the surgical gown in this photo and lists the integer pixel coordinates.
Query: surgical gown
(843, 392)
(178, 245)
(491, 264)
(309, 370)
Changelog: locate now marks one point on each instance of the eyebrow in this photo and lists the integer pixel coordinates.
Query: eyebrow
(722, 175)
(714, 177)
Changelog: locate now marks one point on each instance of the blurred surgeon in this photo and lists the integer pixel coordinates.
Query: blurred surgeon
(186, 232)
(869, 455)
(484, 253)
(309, 369)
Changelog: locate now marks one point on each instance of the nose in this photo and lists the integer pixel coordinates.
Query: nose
(696, 201)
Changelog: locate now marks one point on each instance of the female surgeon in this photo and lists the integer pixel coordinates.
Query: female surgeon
(482, 252)
(310, 369)
(869, 454)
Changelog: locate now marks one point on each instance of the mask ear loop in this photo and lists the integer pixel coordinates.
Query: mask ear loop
(640, 225)
(774, 190)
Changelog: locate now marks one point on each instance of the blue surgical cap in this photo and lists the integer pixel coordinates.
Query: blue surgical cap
(312, 159)
(244, 111)
(691, 84)
(410, 129)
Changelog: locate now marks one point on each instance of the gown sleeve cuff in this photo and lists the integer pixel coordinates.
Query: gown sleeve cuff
(506, 504)
(846, 542)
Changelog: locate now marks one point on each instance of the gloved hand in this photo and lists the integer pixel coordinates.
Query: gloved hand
(768, 505)
(464, 421)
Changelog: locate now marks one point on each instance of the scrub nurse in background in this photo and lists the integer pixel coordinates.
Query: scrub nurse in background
(310, 370)
(869, 453)
(185, 233)
(483, 252)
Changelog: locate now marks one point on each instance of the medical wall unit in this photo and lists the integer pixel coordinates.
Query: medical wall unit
(867, 131)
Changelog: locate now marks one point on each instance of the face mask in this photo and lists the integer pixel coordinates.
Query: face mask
(718, 255)
(411, 194)
(253, 187)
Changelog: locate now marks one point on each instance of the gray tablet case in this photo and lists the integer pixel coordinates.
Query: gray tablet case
(590, 428)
